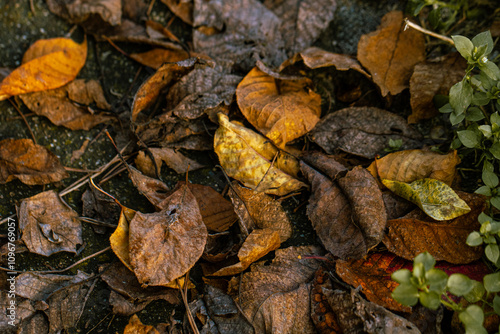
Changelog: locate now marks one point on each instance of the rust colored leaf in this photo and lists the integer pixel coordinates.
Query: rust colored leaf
(314, 57)
(166, 244)
(411, 165)
(156, 57)
(350, 217)
(432, 78)
(391, 52)
(416, 232)
(363, 131)
(322, 314)
(135, 326)
(282, 110)
(48, 226)
(254, 160)
(373, 274)
(32, 164)
(182, 9)
(69, 105)
(47, 64)
(277, 295)
(174, 160)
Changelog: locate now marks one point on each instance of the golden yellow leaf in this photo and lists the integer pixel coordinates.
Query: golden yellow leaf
(119, 239)
(282, 110)
(47, 64)
(253, 160)
(434, 197)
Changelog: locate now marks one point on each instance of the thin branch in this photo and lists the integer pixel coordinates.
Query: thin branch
(24, 119)
(410, 24)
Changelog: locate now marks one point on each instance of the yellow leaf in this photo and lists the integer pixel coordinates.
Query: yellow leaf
(47, 64)
(434, 197)
(119, 240)
(254, 160)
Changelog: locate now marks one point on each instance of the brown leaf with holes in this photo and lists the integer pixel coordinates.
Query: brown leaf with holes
(47, 64)
(373, 274)
(48, 226)
(166, 244)
(173, 159)
(183, 9)
(277, 294)
(32, 164)
(411, 165)
(431, 78)
(282, 110)
(444, 240)
(391, 52)
(363, 131)
(69, 105)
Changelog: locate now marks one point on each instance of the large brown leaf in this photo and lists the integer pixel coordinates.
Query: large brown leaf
(174, 160)
(166, 244)
(78, 11)
(30, 163)
(416, 232)
(363, 131)
(282, 110)
(48, 226)
(182, 9)
(391, 52)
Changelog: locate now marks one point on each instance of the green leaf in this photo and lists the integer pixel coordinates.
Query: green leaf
(461, 96)
(492, 282)
(490, 179)
(473, 318)
(495, 150)
(401, 276)
(469, 138)
(434, 197)
(406, 294)
(426, 259)
(495, 118)
(463, 45)
(495, 201)
(456, 119)
(447, 108)
(476, 293)
(430, 299)
(490, 69)
(483, 218)
(437, 280)
(474, 114)
(459, 284)
(435, 17)
(474, 239)
(492, 252)
(496, 304)
(485, 130)
(483, 190)
(484, 38)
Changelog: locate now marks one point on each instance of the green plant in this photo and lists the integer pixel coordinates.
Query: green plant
(442, 15)
(431, 287)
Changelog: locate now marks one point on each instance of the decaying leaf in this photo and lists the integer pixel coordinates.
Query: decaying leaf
(119, 240)
(432, 78)
(30, 163)
(322, 315)
(47, 64)
(99, 206)
(434, 197)
(254, 160)
(391, 52)
(153, 189)
(411, 165)
(24, 311)
(65, 105)
(48, 226)
(182, 9)
(373, 274)
(175, 160)
(416, 233)
(37, 287)
(328, 165)
(277, 295)
(157, 57)
(135, 326)
(282, 110)
(349, 217)
(109, 11)
(363, 131)
(157, 239)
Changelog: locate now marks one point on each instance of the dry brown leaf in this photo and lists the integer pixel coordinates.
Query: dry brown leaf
(135, 326)
(32, 164)
(66, 105)
(328, 165)
(47, 64)
(99, 206)
(322, 314)
(156, 57)
(391, 52)
(410, 165)
(24, 311)
(432, 78)
(78, 11)
(183, 9)
(153, 189)
(254, 160)
(37, 287)
(281, 110)
(174, 160)
(166, 244)
(416, 232)
(363, 131)
(48, 226)
(157, 30)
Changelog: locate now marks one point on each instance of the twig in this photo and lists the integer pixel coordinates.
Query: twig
(183, 291)
(100, 322)
(410, 24)
(85, 300)
(6, 219)
(150, 8)
(96, 222)
(24, 119)
(32, 7)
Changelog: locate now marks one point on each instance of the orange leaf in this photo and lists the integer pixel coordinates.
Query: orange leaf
(48, 64)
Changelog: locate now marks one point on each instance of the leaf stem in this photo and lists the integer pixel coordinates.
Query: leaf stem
(410, 24)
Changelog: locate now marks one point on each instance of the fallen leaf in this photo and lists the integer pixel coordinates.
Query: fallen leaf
(153, 189)
(119, 240)
(135, 326)
(32, 164)
(434, 197)
(396, 206)
(254, 160)
(322, 315)
(174, 160)
(47, 64)
(348, 217)
(282, 110)
(69, 105)
(277, 295)
(391, 52)
(24, 310)
(430, 79)
(363, 131)
(79, 11)
(156, 239)
(182, 9)
(48, 226)
(35, 324)
(411, 165)
(415, 233)
(373, 274)
(328, 165)
(99, 206)
(159, 31)
(38, 287)
(155, 58)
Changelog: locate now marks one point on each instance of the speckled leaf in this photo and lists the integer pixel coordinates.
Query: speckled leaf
(254, 160)
(434, 197)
